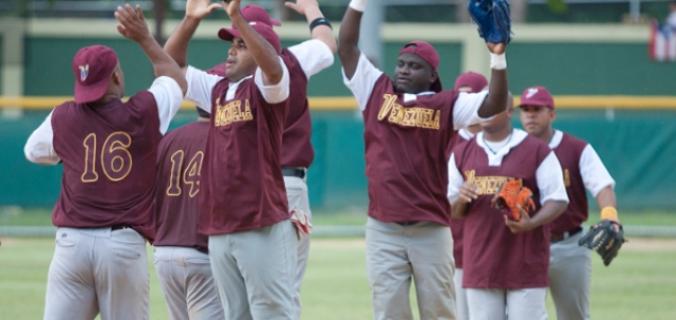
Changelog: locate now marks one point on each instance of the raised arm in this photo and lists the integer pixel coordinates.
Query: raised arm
(177, 44)
(263, 53)
(132, 25)
(497, 97)
(319, 26)
(348, 37)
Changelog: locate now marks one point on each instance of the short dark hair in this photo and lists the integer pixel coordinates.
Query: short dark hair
(203, 113)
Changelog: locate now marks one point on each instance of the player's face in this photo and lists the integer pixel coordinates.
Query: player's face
(240, 62)
(536, 120)
(413, 74)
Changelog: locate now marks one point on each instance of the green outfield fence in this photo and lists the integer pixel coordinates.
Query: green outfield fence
(637, 146)
(607, 91)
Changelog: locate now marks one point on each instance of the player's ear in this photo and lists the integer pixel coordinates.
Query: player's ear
(434, 77)
(117, 76)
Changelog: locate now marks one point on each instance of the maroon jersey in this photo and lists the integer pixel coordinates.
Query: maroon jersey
(297, 149)
(405, 143)
(456, 139)
(569, 152)
(493, 256)
(242, 182)
(457, 224)
(108, 155)
(180, 158)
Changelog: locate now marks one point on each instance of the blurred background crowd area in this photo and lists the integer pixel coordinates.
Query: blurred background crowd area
(523, 11)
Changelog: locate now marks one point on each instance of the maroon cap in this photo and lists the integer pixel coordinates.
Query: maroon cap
(263, 29)
(252, 12)
(425, 51)
(92, 68)
(537, 96)
(476, 82)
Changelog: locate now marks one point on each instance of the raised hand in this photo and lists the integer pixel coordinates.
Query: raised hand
(200, 8)
(232, 7)
(131, 24)
(496, 48)
(301, 5)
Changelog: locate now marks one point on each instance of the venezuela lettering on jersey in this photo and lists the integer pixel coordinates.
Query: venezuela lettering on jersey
(232, 112)
(486, 185)
(408, 117)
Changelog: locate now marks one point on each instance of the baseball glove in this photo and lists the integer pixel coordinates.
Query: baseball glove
(492, 16)
(606, 237)
(514, 197)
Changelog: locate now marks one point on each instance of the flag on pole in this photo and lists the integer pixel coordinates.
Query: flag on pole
(662, 44)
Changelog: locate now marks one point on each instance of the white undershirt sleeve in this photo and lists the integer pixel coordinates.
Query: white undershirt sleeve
(455, 180)
(313, 56)
(363, 81)
(549, 178)
(39, 147)
(168, 97)
(466, 109)
(274, 93)
(200, 87)
(594, 174)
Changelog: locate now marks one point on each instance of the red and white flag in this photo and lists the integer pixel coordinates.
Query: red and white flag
(662, 44)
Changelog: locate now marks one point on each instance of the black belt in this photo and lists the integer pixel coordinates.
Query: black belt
(119, 227)
(406, 223)
(556, 237)
(293, 172)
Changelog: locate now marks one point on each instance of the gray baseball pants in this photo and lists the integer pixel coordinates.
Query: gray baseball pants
(97, 271)
(187, 283)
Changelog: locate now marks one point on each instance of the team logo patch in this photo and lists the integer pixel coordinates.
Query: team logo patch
(84, 72)
(531, 92)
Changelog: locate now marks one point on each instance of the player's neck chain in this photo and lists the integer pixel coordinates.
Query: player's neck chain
(500, 146)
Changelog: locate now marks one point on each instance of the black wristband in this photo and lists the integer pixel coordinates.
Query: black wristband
(319, 22)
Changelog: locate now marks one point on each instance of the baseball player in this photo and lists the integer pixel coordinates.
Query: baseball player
(108, 149)
(504, 260)
(569, 263)
(408, 122)
(303, 60)
(467, 82)
(181, 253)
(252, 242)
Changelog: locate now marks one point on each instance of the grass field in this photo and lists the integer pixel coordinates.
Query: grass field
(641, 283)
(41, 217)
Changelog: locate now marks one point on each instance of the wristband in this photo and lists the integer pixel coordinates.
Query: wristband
(609, 213)
(498, 61)
(321, 21)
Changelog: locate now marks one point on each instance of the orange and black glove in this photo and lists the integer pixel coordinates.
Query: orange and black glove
(514, 198)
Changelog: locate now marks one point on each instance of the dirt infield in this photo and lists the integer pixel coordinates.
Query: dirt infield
(633, 244)
(652, 245)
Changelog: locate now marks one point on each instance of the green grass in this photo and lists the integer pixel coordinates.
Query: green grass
(641, 283)
(41, 217)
